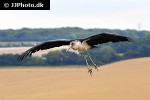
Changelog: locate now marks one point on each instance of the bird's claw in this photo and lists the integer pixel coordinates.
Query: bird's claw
(95, 67)
(90, 71)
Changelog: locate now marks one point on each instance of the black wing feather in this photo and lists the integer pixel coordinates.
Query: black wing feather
(104, 38)
(43, 46)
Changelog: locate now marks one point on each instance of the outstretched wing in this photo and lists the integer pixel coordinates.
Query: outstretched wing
(43, 46)
(104, 38)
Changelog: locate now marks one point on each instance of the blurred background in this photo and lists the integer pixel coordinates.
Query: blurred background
(20, 30)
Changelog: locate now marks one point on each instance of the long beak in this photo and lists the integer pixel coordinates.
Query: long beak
(69, 48)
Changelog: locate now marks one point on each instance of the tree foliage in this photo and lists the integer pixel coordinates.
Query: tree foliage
(106, 53)
(27, 34)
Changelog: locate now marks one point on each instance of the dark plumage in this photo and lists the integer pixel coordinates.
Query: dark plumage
(43, 46)
(91, 41)
(104, 38)
(79, 45)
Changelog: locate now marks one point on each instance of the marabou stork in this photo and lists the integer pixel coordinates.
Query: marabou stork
(78, 45)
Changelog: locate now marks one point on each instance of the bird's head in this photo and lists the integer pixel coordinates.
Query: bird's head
(74, 45)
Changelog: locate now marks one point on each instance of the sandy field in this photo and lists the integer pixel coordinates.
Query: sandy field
(124, 80)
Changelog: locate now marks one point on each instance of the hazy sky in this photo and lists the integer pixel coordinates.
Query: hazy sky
(113, 14)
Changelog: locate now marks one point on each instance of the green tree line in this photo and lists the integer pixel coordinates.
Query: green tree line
(27, 34)
(106, 53)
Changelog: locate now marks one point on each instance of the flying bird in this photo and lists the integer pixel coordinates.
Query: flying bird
(78, 45)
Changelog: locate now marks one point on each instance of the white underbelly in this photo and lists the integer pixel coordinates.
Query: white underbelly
(83, 47)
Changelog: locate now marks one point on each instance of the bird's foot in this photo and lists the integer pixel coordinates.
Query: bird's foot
(90, 71)
(95, 67)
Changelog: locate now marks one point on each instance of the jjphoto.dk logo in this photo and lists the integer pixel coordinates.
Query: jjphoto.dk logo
(25, 5)
(39, 4)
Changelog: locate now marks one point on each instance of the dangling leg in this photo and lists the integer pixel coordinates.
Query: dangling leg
(92, 61)
(89, 69)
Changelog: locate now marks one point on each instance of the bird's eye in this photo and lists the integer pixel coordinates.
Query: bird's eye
(72, 44)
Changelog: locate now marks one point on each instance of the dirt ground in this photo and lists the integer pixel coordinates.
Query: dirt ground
(125, 80)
